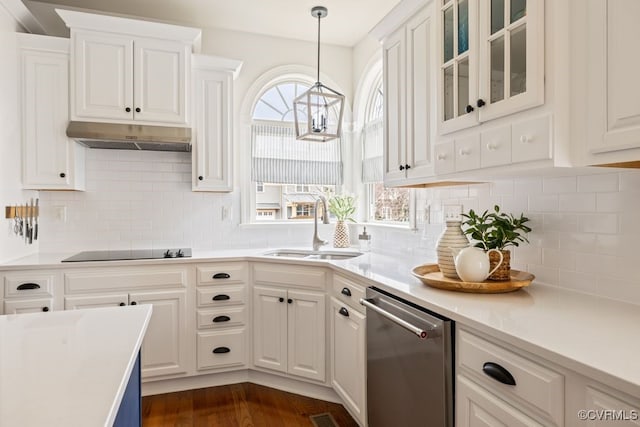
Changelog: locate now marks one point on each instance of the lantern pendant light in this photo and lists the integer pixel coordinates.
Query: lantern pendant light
(318, 111)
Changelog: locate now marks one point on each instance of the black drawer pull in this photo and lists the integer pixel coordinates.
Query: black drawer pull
(498, 373)
(219, 319)
(221, 297)
(346, 291)
(222, 276)
(45, 309)
(27, 286)
(344, 312)
(221, 350)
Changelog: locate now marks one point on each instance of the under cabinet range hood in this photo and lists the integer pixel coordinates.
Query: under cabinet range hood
(117, 136)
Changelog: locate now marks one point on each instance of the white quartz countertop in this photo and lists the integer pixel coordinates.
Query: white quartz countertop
(595, 336)
(68, 368)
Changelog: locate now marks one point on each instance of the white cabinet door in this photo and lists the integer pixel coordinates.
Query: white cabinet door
(270, 328)
(348, 357)
(160, 81)
(164, 349)
(102, 76)
(614, 88)
(51, 161)
(27, 306)
(212, 157)
(125, 79)
(419, 95)
(457, 64)
(476, 407)
(511, 74)
(306, 334)
(394, 88)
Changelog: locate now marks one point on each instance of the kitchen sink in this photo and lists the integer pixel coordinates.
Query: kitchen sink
(309, 254)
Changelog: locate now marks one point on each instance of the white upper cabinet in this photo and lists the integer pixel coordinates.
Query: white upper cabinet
(139, 74)
(491, 60)
(51, 161)
(408, 108)
(213, 106)
(613, 116)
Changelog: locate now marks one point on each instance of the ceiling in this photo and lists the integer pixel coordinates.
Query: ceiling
(347, 23)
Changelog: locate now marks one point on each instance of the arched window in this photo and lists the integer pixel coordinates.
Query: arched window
(385, 204)
(288, 174)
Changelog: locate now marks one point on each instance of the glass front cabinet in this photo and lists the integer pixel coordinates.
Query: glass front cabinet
(491, 60)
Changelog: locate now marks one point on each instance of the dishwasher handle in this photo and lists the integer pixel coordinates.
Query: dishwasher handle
(421, 333)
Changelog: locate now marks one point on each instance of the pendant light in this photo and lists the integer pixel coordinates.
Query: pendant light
(318, 111)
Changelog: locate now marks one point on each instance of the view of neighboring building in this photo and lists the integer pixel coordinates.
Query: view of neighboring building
(282, 202)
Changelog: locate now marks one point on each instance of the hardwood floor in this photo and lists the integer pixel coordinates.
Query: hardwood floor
(242, 405)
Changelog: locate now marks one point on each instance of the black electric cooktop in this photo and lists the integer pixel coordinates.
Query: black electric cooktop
(120, 255)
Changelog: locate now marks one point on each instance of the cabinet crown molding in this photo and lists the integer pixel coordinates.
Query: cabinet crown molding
(398, 15)
(134, 27)
(209, 62)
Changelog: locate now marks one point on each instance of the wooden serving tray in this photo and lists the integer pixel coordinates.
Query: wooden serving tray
(431, 275)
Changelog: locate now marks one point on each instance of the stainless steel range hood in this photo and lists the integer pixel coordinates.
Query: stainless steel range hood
(130, 137)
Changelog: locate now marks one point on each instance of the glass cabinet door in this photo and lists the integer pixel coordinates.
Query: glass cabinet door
(511, 57)
(458, 68)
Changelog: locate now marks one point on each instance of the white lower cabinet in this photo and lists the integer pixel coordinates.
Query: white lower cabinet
(289, 331)
(348, 357)
(476, 407)
(164, 348)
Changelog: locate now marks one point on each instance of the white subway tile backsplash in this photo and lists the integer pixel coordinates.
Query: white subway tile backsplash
(598, 183)
(581, 202)
(585, 228)
(565, 184)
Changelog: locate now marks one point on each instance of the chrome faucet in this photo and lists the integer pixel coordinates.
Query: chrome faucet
(317, 241)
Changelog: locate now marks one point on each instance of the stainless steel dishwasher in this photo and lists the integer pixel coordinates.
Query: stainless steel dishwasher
(409, 364)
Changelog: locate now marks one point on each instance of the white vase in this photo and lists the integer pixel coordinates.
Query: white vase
(452, 237)
(341, 235)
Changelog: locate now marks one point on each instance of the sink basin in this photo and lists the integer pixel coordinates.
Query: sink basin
(309, 254)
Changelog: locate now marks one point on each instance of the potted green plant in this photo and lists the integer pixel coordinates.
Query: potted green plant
(342, 207)
(496, 230)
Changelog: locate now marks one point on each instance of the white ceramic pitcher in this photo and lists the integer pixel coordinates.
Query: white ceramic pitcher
(472, 264)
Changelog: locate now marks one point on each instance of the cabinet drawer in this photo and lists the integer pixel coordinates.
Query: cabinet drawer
(477, 407)
(292, 275)
(222, 295)
(98, 280)
(444, 158)
(531, 140)
(222, 317)
(221, 349)
(535, 386)
(495, 147)
(467, 153)
(28, 285)
(348, 292)
(223, 273)
(32, 305)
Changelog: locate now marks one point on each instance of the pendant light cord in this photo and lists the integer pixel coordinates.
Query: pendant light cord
(318, 74)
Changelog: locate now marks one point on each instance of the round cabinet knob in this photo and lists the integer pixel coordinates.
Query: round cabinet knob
(122, 304)
(128, 110)
(45, 309)
(138, 110)
(289, 300)
(407, 167)
(480, 103)
(468, 108)
(134, 303)
(62, 174)
(200, 178)
(401, 167)
(281, 299)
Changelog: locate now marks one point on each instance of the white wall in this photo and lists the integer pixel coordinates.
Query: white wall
(11, 246)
